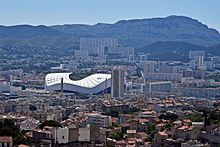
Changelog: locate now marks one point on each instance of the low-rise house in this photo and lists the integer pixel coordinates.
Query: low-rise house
(39, 135)
(131, 132)
(187, 132)
(147, 114)
(198, 124)
(66, 136)
(194, 143)
(160, 127)
(29, 124)
(212, 135)
(17, 118)
(98, 134)
(138, 124)
(6, 141)
(160, 136)
(114, 105)
(23, 145)
(123, 118)
(141, 135)
(75, 122)
(120, 143)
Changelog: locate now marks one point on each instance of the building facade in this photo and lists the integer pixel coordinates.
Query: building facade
(117, 82)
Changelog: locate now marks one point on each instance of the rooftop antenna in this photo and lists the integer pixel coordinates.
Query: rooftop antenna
(105, 86)
(61, 88)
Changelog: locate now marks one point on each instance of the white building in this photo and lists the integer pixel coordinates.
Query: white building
(101, 47)
(164, 76)
(81, 53)
(149, 67)
(131, 58)
(194, 54)
(168, 69)
(197, 92)
(84, 134)
(4, 86)
(121, 50)
(154, 87)
(62, 135)
(97, 45)
(199, 60)
(142, 58)
(96, 119)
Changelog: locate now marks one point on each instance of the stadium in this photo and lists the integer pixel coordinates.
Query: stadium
(93, 84)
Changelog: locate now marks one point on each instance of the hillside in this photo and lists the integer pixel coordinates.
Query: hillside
(148, 35)
(170, 50)
(141, 32)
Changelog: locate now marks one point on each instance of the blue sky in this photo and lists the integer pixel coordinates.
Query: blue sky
(49, 12)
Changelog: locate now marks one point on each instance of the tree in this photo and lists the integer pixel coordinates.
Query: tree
(8, 123)
(214, 117)
(168, 126)
(6, 131)
(216, 105)
(151, 128)
(114, 124)
(23, 87)
(195, 117)
(19, 139)
(113, 113)
(32, 108)
(114, 135)
(132, 110)
(161, 116)
(168, 116)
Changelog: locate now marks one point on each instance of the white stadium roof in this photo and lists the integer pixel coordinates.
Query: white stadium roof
(93, 83)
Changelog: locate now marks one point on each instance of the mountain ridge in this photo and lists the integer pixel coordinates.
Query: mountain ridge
(134, 32)
(146, 31)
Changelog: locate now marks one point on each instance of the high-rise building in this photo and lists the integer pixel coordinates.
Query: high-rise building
(101, 47)
(168, 69)
(164, 76)
(199, 60)
(157, 87)
(117, 82)
(97, 45)
(131, 58)
(143, 58)
(149, 67)
(194, 54)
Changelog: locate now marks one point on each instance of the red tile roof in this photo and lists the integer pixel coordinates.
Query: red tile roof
(163, 133)
(5, 139)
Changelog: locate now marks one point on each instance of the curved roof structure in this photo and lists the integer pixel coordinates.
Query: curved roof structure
(92, 84)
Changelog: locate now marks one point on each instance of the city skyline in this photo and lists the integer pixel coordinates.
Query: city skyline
(96, 11)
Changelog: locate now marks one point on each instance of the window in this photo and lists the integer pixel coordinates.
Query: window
(62, 137)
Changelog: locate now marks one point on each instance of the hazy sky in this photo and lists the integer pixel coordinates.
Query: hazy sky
(50, 12)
